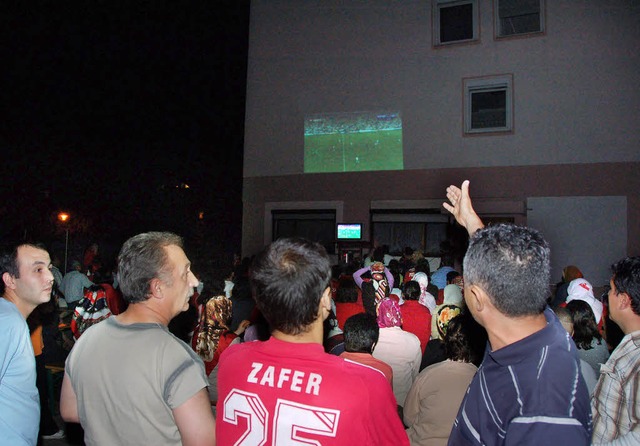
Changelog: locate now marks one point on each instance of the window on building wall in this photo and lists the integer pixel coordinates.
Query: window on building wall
(455, 21)
(517, 17)
(488, 105)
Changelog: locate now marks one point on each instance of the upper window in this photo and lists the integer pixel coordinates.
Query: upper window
(517, 17)
(488, 105)
(455, 21)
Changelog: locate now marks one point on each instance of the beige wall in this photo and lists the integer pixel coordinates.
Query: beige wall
(492, 185)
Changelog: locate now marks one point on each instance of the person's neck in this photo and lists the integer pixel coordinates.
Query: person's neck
(312, 335)
(142, 312)
(504, 331)
(24, 308)
(629, 326)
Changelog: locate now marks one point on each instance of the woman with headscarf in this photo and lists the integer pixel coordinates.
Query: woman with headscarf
(398, 348)
(451, 306)
(212, 336)
(426, 298)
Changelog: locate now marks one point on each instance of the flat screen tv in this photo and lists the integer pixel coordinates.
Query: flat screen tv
(349, 231)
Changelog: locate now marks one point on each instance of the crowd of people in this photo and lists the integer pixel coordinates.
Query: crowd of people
(286, 348)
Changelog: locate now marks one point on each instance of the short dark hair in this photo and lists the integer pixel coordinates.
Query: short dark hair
(464, 339)
(361, 333)
(346, 294)
(452, 275)
(411, 290)
(511, 264)
(9, 260)
(422, 266)
(288, 279)
(584, 324)
(143, 258)
(626, 278)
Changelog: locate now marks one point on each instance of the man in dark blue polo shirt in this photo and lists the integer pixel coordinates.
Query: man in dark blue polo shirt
(529, 388)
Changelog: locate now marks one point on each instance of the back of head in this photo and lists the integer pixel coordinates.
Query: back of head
(464, 339)
(564, 316)
(346, 294)
(585, 328)
(389, 314)
(361, 333)
(422, 266)
(411, 290)
(511, 264)
(288, 279)
(626, 278)
(143, 258)
(453, 295)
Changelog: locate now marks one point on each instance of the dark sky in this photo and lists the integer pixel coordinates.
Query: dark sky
(106, 108)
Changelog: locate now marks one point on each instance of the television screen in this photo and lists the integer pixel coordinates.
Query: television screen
(353, 142)
(349, 231)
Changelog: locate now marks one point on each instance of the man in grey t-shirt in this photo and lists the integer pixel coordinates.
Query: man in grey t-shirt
(128, 380)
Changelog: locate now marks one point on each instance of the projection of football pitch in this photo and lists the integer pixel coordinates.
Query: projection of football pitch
(353, 142)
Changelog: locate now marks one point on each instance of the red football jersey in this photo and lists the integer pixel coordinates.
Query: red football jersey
(281, 393)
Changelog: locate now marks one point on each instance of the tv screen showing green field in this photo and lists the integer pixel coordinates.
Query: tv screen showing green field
(352, 142)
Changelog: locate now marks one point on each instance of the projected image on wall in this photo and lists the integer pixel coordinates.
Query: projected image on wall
(352, 142)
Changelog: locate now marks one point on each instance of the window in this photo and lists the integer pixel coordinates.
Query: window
(455, 21)
(488, 105)
(516, 17)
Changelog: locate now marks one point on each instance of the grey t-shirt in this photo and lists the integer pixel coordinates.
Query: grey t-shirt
(127, 380)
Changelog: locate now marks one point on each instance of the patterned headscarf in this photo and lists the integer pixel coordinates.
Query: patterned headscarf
(379, 281)
(444, 315)
(389, 314)
(213, 323)
(426, 298)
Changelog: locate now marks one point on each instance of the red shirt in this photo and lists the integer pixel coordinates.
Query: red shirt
(416, 319)
(345, 310)
(277, 392)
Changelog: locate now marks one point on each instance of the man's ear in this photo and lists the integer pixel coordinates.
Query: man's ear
(475, 297)
(325, 303)
(9, 281)
(624, 301)
(156, 288)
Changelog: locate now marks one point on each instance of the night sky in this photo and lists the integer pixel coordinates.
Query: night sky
(108, 111)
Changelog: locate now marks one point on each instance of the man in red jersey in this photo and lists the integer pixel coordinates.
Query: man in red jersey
(287, 390)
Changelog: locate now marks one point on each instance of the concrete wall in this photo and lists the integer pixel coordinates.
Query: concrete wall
(576, 107)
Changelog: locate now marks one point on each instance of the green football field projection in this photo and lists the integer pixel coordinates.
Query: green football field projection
(353, 142)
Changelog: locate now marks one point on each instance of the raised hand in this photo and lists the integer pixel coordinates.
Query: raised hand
(461, 208)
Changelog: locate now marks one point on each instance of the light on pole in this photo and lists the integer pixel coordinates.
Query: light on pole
(64, 218)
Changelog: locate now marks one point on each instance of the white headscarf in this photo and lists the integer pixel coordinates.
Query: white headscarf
(452, 295)
(426, 298)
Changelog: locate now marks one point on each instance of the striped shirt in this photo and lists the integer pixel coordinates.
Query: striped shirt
(616, 398)
(530, 392)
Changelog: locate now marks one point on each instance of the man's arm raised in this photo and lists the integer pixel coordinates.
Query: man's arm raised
(461, 208)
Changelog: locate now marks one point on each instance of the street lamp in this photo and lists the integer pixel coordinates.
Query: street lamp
(64, 218)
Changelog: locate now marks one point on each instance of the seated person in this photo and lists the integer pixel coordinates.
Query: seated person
(589, 375)
(426, 298)
(361, 334)
(416, 318)
(591, 347)
(398, 348)
(348, 300)
(212, 335)
(432, 403)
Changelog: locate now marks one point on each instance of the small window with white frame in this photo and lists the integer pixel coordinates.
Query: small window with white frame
(518, 17)
(488, 104)
(455, 21)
